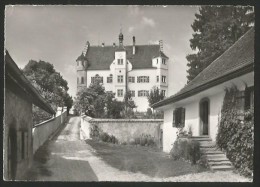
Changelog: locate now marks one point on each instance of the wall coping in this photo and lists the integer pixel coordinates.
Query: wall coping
(125, 120)
(47, 121)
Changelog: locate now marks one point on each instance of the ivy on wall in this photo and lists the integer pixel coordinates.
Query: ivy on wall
(236, 131)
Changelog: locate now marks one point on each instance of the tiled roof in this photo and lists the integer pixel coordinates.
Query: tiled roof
(235, 58)
(100, 58)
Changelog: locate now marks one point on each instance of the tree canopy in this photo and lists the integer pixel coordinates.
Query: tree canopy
(216, 28)
(50, 85)
(155, 96)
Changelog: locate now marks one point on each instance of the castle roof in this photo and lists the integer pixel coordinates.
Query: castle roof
(234, 62)
(100, 58)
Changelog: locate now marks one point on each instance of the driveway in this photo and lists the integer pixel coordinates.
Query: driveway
(67, 158)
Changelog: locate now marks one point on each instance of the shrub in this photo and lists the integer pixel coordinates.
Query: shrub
(236, 136)
(186, 149)
(144, 140)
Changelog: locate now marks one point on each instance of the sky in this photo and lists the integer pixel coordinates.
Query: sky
(57, 34)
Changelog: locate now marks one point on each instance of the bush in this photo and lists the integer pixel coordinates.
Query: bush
(236, 136)
(145, 140)
(186, 149)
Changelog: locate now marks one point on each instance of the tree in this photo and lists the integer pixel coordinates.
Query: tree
(155, 96)
(216, 28)
(50, 85)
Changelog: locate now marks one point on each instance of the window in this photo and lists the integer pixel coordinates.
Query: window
(132, 92)
(157, 60)
(143, 93)
(120, 93)
(110, 78)
(164, 79)
(178, 117)
(77, 80)
(120, 78)
(120, 61)
(163, 92)
(131, 79)
(249, 97)
(96, 78)
(82, 80)
(82, 63)
(157, 78)
(77, 63)
(141, 79)
(163, 61)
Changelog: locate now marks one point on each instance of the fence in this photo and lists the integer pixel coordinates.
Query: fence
(43, 131)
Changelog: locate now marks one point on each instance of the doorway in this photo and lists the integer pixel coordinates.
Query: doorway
(12, 154)
(204, 116)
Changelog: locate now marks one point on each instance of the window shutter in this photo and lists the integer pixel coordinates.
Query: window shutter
(182, 117)
(173, 118)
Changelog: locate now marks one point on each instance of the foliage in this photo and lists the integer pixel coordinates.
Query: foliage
(186, 149)
(97, 134)
(50, 85)
(236, 136)
(145, 140)
(216, 28)
(155, 96)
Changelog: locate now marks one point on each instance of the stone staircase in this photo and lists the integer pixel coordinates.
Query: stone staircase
(216, 159)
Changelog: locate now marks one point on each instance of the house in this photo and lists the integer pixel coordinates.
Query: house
(198, 105)
(18, 124)
(137, 68)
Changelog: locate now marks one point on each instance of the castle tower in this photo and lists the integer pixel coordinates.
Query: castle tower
(81, 67)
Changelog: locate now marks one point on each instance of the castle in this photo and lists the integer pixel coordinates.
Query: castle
(137, 68)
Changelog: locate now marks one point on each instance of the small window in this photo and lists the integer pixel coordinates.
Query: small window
(157, 78)
(110, 79)
(164, 79)
(82, 80)
(77, 63)
(143, 93)
(249, 98)
(82, 63)
(120, 61)
(131, 79)
(157, 60)
(142, 79)
(77, 80)
(179, 117)
(120, 93)
(132, 92)
(120, 78)
(163, 61)
(163, 92)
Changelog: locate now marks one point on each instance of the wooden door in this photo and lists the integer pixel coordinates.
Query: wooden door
(204, 117)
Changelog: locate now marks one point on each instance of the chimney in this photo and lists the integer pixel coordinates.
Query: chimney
(85, 50)
(161, 45)
(133, 45)
(114, 44)
(103, 44)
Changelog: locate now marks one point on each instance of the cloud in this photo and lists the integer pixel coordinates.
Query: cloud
(148, 21)
(131, 29)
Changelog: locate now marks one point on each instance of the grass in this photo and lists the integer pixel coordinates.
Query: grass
(146, 160)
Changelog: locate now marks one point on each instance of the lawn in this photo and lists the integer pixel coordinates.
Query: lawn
(146, 160)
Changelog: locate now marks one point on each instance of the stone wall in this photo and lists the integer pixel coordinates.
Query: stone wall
(125, 130)
(43, 131)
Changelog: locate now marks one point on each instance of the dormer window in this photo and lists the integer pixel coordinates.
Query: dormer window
(82, 63)
(120, 61)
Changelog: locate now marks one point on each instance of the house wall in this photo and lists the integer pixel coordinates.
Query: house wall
(125, 130)
(17, 116)
(216, 97)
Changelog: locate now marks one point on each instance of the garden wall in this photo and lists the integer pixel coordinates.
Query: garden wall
(43, 131)
(125, 130)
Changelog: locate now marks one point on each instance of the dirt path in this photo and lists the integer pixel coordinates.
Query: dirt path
(67, 158)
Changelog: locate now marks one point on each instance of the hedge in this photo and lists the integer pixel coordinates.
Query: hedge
(236, 136)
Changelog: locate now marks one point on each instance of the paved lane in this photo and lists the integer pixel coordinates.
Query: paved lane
(58, 159)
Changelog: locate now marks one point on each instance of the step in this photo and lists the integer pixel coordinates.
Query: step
(203, 139)
(222, 168)
(220, 163)
(207, 145)
(211, 152)
(218, 159)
